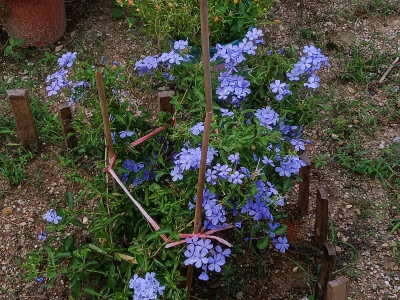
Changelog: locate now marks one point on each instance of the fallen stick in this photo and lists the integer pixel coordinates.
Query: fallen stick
(389, 69)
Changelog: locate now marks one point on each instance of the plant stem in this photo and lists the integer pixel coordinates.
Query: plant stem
(207, 127)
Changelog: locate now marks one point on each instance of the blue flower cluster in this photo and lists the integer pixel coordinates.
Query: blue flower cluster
(202, 254)
(189, 159)
(307, 66)
(214, 211)
(150, 63)
(58, 80)
(141, 172)
(267, 117)
(52, 217)
(289, 165)
(146, 288)
(234, 87)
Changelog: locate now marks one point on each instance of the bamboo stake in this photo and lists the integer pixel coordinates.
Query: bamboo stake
(207, 127)
(106, 121)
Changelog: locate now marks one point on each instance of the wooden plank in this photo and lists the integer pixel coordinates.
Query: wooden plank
(304, 185)
(65, 117)
(327, 267)
(338, 289)
(23, 116)
(163, 100)
(322, 217)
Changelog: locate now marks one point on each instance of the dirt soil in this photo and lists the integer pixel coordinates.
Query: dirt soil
(360, 207)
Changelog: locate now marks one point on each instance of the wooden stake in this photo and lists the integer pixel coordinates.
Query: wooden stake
(163, 99)
(104, 114)
(304, 186)
(207, 127)
(327, 267)
(338, 289)
(65, 117)
(322, 217)
(23, 116)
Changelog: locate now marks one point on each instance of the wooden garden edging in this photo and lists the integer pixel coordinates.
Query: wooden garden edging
(23, 116)
(325, 289)
(65, 117)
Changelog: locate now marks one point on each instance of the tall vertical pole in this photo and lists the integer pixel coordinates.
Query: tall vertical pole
(207, 126)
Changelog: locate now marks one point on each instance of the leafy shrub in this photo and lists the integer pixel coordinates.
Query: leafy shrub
(228, 20)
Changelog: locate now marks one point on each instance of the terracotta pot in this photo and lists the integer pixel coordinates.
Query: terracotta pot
(38, 22)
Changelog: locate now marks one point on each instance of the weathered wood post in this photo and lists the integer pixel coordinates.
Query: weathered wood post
(327, 267)
(65, 117)
(163, 100)
(304, 185)
(322, 217)
(23, 116)
(338, 289)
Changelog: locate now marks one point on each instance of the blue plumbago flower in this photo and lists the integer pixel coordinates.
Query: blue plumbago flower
(245, 172)
(272, 228)
(226, 113)
(146, 288)
(238, 224)
(166, 74)
(211, 176)
(197, 129)
(203, 276)
(111, 118)
(234, 158)
(280, 89)
(125, 177)
(42, 235)
(265, 191)
(267, 117)
(298, 144)
(189, 159)
(270, 52)
(255, 35)
(290, 164)
(67, 60)
(146, 65)
(78, 91)
(255, 157)
(207, 197)
(52, 217)
(225, 253)
(281, 51)
(52, 89)
(172, 77)
(132, 166)
(267, 161)
(294, 74)
(313, 82)
(113, 136)
(234, 86)
(215, 215)
(236, 178)
(197, 251)
(216, 262)
(176, 174)
(171, 58)
(248, 46)
(125, 133)
(181, 44)
(257, 209)
(282, 244)
(223, 170)
(39, 279)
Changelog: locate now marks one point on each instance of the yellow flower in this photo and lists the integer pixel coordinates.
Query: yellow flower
(216, 19)
(138, 9)
(170, 4)
(235, 1)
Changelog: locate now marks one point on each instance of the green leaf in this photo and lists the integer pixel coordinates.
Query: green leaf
(159, 232)
(280, 230)
(263, 243)
(70, 200)
(97, 249)
(111, 277)
(91, 291)
(59, 255)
